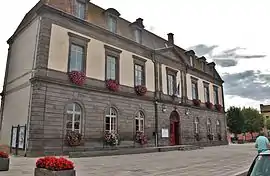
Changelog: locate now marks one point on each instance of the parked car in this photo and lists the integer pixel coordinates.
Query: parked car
(260, 165)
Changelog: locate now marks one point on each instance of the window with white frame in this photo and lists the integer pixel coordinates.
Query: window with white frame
(194, 89)
(216, 99)
(209, 126)
(196, 124)
(76, 58)
(111, 68)
(74, 117)
(191, 61)
(218, 126)
(139, 121)
(171, 84)
(206, 93)
(111, 120)
(112, 23)
(139, 75)
(80, 9)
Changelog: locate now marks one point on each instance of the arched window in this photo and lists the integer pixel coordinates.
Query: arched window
(209, 126)
(74, 117)
(111, 120)
(196, 125)
(139, 120)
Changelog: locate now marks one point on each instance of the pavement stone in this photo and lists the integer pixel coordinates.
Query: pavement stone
(210, 161)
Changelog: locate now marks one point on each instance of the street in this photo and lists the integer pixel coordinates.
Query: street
(221, 161)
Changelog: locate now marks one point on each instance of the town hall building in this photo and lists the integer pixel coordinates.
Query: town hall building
(75, 67)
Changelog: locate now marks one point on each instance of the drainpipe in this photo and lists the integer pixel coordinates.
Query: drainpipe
(225, 118)
(155, 100)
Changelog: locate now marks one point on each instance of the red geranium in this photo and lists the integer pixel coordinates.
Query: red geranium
(140, 90)
(112, 85)
(209, 105)
(77, 77)
(218, 107)
(196, 102)
(54, 164)
(3, 155)
(140, 138)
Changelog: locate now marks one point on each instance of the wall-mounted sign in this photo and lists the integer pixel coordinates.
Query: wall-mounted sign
(165, 133)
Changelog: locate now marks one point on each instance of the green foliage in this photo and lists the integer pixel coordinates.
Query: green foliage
(254, 121)
(268, 124)
(235, 120)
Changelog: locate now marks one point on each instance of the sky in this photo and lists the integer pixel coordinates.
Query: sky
(233, 34)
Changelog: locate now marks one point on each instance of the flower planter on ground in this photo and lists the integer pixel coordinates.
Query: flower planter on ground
(111, 139)
(197, 136)
(140, 138)
(53, 166)
(45, 172)
(210, 137)
(4, 161)
(73, 138)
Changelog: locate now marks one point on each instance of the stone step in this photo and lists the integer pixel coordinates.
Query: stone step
(127, 151)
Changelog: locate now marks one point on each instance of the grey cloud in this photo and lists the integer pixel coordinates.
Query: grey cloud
(233, 50)
(225, 62)
(249, 56)
(203, 49)
(249, 84)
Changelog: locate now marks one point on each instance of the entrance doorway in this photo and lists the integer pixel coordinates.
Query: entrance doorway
(174, 128)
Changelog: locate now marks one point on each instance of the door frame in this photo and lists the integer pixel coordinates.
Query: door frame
(175, 135)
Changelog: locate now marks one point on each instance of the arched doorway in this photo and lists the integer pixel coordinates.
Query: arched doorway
(174, 128)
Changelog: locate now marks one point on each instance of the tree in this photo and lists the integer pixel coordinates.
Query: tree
(254, 121)
(235, 120)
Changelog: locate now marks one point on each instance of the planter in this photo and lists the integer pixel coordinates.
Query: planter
(4, 164)
(140, 90)
(45, 172)
(196, 102)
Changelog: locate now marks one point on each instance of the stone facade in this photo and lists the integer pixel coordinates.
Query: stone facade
(51, 90)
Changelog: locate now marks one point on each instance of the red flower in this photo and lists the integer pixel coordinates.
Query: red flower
(140, 138)
(209, 105)
(54, 164)
(3, 155)
(218, 107)
(77, 77)
(196, 102)
(140, 90)
(112, 85)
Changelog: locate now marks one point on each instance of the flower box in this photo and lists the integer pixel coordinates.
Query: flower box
(4, 161)
(210, 137)
(77, 77)
(218, 107)
(53, 166)
(4, 164)
(140, 90)
(73, 138)
(112, 85)
(111, 139)
(46, 172)
(209, 105)
(196, 102)
(197, 136)
(140, 138)
(219, 137)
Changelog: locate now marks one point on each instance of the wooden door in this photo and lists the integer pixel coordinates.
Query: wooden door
(172, 133)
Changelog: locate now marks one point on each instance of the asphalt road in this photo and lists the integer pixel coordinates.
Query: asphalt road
(221, 161)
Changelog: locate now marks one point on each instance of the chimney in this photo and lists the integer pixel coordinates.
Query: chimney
(139, 22)
(170, 39)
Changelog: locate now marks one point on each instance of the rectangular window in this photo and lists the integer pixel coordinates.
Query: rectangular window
(216, 100)
(111, 67)
(194, 87)
(203, 66)
(138, 36)
(76, 58)
(171, 84)
(80, 9)
(206, 93)
(110, 124)
(139, 75)
(112, 23)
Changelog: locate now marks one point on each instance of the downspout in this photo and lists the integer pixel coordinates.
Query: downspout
(155, 100)
(225, 118)
(31, 88)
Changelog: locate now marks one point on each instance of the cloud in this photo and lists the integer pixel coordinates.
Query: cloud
(225, 62)
(248, 84)
(225, 58)
(203, 49)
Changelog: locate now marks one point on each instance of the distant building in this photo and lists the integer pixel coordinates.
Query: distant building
(265, 111)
